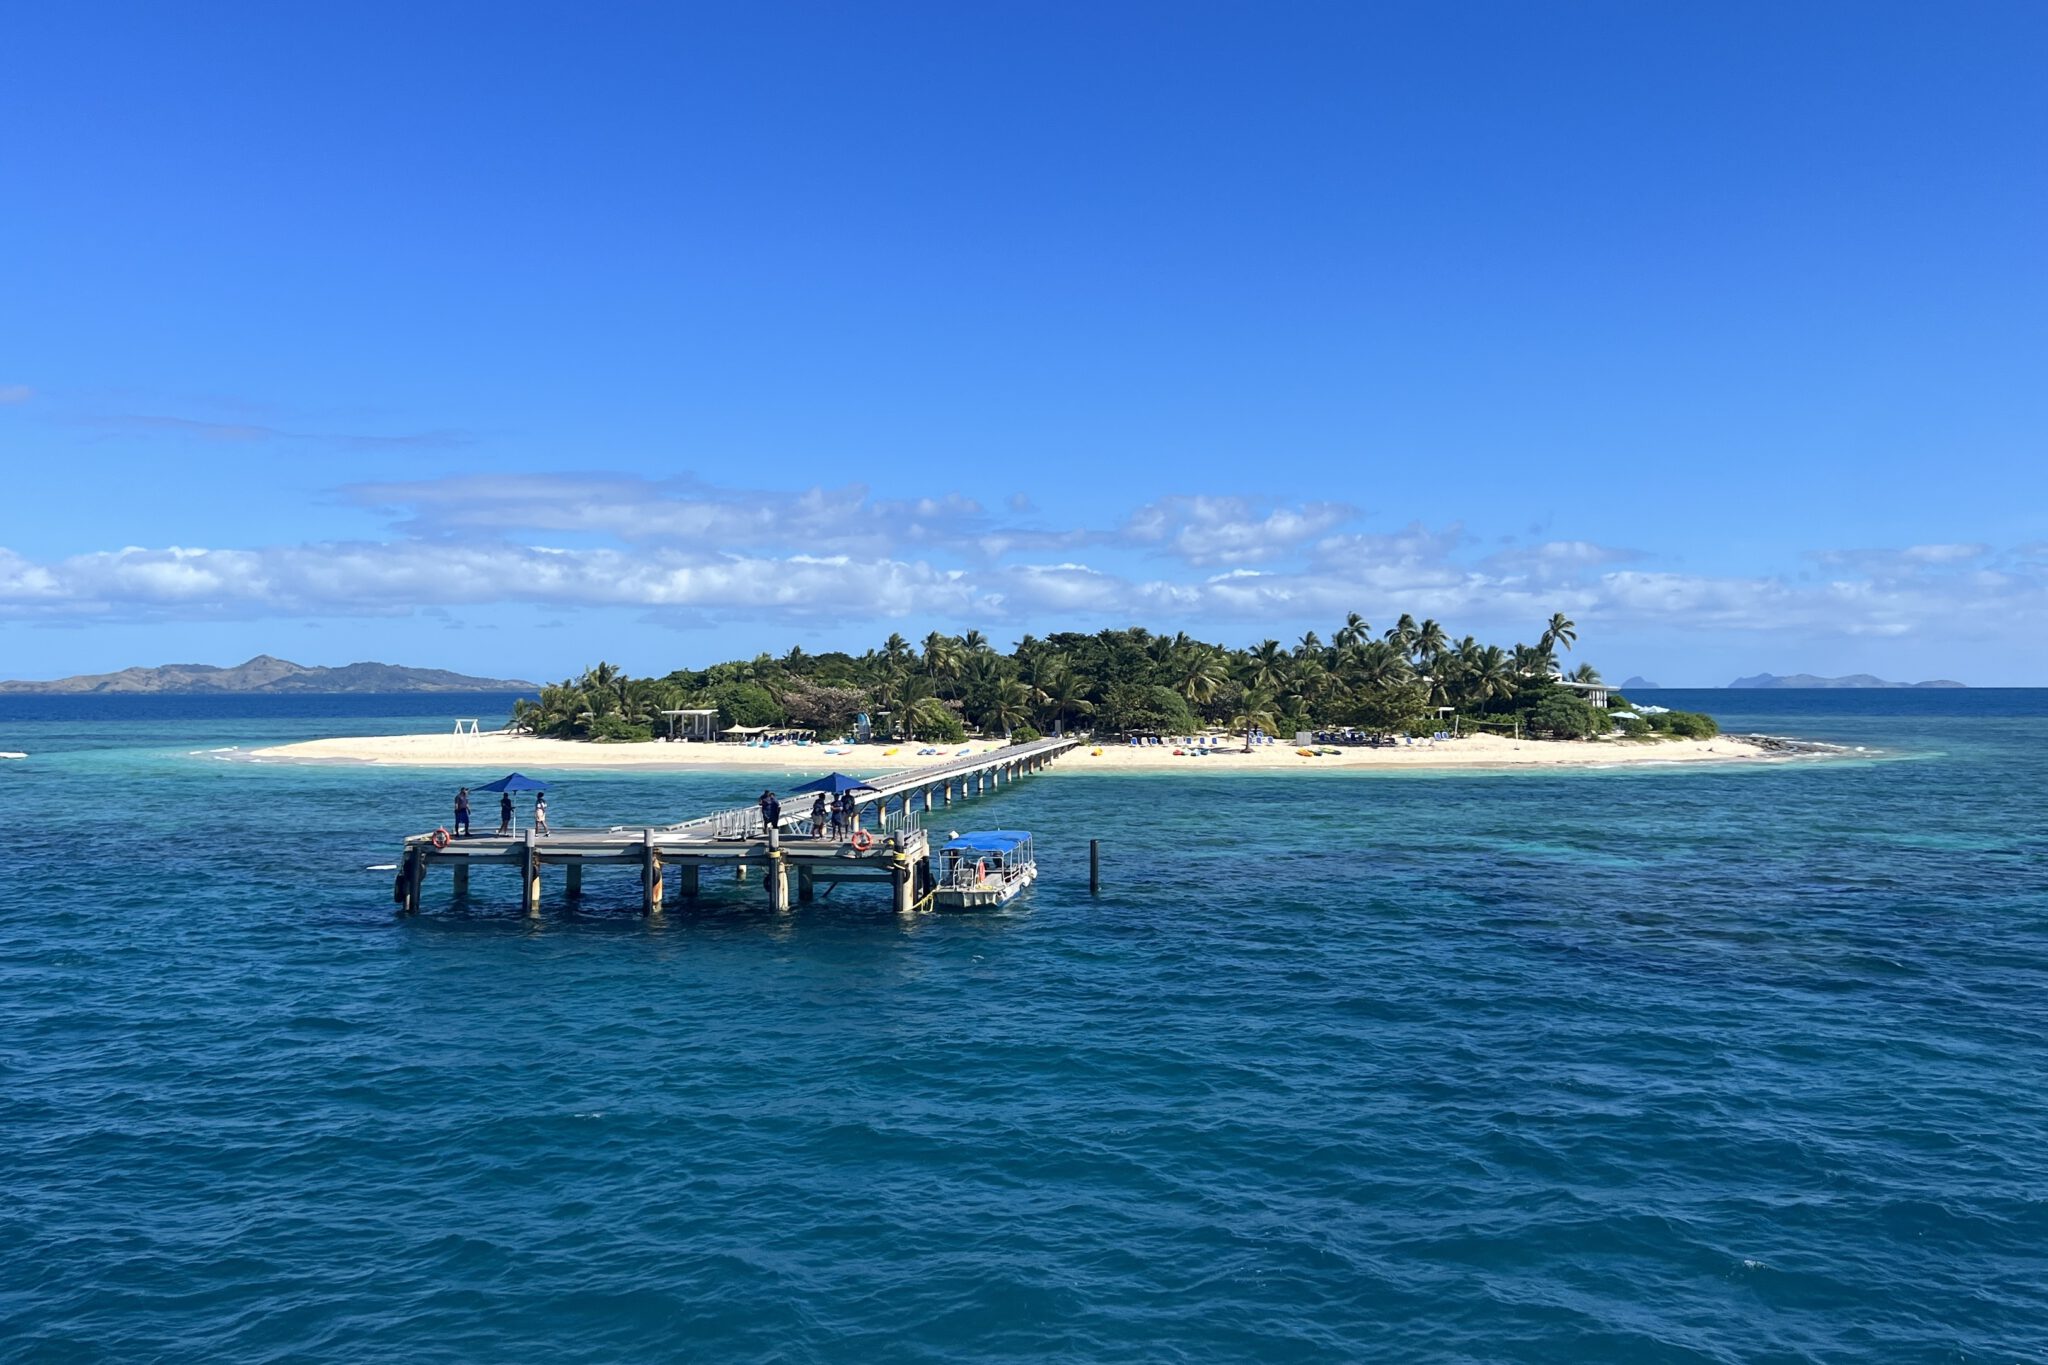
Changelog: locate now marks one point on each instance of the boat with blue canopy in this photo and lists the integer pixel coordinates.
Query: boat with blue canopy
(982, 869)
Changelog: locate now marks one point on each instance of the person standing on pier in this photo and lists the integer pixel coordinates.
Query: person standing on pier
(462, 813)
(771, 812)
(849, 815)
(505, 813)
(818, 817)
(540, 812)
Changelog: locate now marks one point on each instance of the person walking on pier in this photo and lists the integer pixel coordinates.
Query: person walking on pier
(540, 812)
(818, 817)
(771, 812)
(462, 813)
(505, 813)
(849, 815)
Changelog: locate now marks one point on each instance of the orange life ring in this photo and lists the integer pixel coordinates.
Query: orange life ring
(862, 841)
(440, 838)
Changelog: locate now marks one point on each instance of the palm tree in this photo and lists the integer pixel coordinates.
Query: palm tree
(1008, 706)
(1352, 631)
(1586, 673)
(1533, 661)
(1402, 634)
(1430, 640)
(1064, 697)
(942, 656)
(1378, 665)
(1255, 712)
(1266, 668)
(1309, 646)
(1199, 675)
(974, 642)
(1492, 674)
(1560, 631)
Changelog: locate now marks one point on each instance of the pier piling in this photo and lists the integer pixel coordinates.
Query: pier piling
(650, 873)
(1095, 867)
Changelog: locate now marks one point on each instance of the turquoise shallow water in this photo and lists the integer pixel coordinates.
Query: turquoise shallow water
(1729, 1065)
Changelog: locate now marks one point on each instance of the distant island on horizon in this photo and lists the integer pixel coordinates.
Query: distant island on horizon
(266, 673)
(1849, 680)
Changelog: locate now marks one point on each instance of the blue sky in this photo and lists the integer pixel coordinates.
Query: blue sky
(505, 337)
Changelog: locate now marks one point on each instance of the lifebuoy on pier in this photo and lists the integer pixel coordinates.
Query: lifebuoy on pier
(440, 838)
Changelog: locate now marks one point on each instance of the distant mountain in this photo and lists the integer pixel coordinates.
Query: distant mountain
(1852, 680)
(1637, 683)
(266, 674)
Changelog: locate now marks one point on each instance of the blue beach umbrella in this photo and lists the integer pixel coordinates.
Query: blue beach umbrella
(835, 783)
(514, 782)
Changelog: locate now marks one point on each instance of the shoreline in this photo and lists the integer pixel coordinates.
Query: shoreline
(1481, 752)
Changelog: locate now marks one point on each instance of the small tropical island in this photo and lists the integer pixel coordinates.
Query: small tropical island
(1408, 695)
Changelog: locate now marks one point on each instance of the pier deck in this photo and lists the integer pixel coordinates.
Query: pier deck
(791, 858)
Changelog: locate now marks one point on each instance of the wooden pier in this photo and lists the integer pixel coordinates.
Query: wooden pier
(791, 859)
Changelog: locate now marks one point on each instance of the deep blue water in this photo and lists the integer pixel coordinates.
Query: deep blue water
(1716, 1065)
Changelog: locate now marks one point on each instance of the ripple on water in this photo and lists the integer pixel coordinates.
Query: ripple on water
(1688, 1065)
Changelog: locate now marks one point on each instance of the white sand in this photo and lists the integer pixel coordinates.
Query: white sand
(502, 752)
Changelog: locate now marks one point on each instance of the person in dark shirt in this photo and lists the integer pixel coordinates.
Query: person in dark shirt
(462, 812)
(771, 811)
(818, 815)
(505, 813)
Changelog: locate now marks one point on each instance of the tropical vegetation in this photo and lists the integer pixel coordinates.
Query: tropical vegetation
(1410, 677)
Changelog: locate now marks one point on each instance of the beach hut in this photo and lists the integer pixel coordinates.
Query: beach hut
(692, 723)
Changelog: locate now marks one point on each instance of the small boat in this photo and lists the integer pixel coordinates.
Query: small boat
(12, 753)
(983, 869)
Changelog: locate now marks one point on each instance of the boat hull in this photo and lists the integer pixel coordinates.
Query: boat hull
(983, 895)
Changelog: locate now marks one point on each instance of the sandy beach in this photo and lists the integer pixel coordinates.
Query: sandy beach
(499, 752)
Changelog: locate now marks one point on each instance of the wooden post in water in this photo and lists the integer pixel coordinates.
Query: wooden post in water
(806, 884)
(572, 881)
(529, 868)
(899, 877)
(415, 873)
(650, 873)
(1095, 867)
(462, 881)
(778, 874)
(686, 880)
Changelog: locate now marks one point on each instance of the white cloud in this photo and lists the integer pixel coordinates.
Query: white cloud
(680, 549)
(683, 512)
(1224, 530)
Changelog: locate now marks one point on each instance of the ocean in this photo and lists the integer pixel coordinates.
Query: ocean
(1744, 1064)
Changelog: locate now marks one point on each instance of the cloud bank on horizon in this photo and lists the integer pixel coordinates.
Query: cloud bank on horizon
(686, 552)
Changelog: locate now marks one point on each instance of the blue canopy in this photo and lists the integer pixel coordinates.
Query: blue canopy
(514, 782)
(990, 840)
(834, 783)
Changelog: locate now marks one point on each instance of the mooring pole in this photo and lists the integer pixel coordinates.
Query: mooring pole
(1095, 867)
(529, 872)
